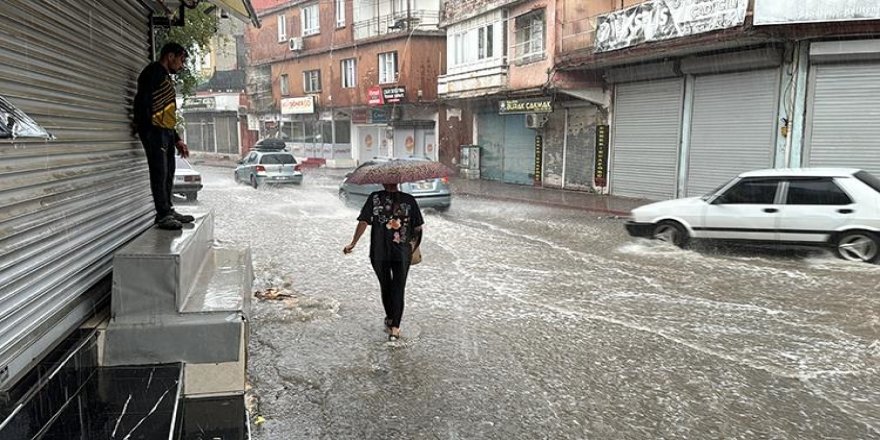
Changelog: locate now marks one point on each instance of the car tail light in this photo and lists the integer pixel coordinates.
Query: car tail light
(297, 167)
(445, 180)
(190, 178)
(261, 169)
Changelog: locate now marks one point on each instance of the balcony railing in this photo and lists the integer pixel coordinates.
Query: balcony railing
(423, 20)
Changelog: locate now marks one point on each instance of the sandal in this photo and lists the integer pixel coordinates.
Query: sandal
(392, 337)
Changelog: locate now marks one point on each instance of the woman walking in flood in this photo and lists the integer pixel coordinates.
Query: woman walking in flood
(395, 231)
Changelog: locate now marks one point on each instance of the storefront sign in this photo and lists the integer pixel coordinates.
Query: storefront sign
(374, 96)
(359, 116)
(527, 105)
(657, 20)
(811, 11)
(600, 176)
(378, 116)
(200, 103)
(393, 95)
(253, 123)
(539, 157)
(298, 106)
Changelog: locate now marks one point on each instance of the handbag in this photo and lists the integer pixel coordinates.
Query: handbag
(416, 256)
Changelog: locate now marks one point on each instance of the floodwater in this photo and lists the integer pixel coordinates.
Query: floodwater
(528, 322)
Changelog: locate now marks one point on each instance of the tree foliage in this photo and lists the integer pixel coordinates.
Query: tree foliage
(195, 35)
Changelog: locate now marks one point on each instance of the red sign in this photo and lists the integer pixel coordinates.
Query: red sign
(374, 96)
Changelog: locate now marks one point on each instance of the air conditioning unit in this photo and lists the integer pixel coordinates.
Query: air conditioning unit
(295, 44)
(535, 120)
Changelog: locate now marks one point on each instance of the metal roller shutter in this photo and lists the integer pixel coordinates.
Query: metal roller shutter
(646, 138)
(580, 146)
(519, 151)
(843, 125)
(733, 127)
(490, 137)
(66, 204)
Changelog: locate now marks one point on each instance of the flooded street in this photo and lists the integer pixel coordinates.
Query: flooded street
(530, 322)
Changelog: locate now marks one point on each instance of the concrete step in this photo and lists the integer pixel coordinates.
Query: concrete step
(154, 272)
(224, 283)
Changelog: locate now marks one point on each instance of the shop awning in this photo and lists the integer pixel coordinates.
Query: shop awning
(241, 9)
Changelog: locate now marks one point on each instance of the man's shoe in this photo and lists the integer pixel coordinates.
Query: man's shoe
(169, 223)
(183, 218)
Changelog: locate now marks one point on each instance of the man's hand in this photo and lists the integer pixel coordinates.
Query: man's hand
(348, 249)
(182, 150)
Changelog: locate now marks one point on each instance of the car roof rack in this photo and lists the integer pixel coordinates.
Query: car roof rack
(270, 144)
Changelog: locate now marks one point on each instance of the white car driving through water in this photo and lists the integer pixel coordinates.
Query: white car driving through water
(832, 207)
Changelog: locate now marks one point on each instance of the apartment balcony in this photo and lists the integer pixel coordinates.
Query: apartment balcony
(473, 80)
(399, 22)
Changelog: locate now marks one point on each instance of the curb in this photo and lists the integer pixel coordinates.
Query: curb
(545, 203)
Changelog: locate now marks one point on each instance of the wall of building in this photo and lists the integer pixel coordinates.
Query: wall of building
(534, 74)
(420, 59)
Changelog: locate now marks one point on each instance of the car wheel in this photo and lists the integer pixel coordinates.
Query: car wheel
(858, 246)
(254, 181)
(192, 197)
(671, 232)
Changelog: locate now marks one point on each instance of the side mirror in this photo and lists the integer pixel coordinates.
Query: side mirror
(347, 175)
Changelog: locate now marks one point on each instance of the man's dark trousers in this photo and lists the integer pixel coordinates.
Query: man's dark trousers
(159, 147)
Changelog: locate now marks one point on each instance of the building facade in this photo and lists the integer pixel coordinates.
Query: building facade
(350, 80)
(215, 118)
(703, 90)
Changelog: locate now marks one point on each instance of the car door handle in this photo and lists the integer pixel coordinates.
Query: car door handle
(845, 211)
(771, 210)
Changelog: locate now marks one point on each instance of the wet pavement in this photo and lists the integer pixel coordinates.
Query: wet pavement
(531, 321)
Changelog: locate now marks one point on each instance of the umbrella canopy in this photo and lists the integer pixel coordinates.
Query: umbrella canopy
(398, 171)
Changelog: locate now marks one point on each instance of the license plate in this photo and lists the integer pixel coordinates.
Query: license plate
(424, 185)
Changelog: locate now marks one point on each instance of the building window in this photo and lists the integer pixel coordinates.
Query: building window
(312, 81)
(530, 35)
(349, 73)
(472, 45)
(282, 28)
(340, 13)
(284, 85)
(387, 67)
(310, 21)
(484, 42)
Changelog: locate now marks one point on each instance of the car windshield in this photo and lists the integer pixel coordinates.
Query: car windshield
(868, 179)
(277, 159)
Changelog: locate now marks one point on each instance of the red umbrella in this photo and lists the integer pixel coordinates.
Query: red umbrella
(399, 171)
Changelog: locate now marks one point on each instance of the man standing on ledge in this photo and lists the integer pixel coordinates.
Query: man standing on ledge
(155, 119)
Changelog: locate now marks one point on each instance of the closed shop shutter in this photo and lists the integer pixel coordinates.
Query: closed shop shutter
(507, 148)
(554, 149)
(646, 138)
(733, 128)
(580, 147)
(66, 204)
(519, 151)
(227, 133)
(843, 120)
(490, 138)
(369, 139)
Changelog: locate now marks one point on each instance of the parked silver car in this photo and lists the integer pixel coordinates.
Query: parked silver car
(187, 181)
(268, 168)
(432, 193)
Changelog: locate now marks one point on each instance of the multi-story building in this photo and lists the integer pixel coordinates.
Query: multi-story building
(216, 116)
(533, 125)
(704, 89)
(350, 79)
